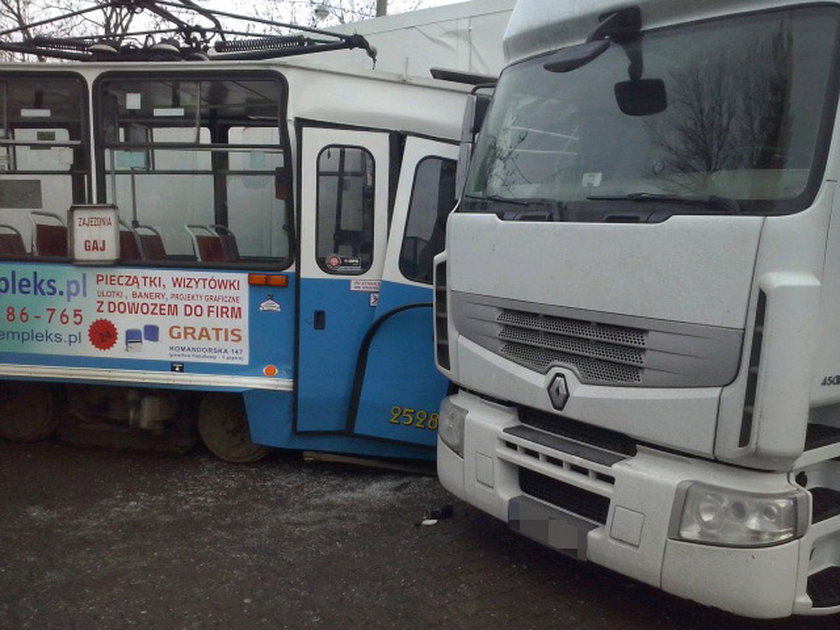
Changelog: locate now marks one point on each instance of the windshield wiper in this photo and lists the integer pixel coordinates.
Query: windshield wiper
(538, 208)
(724, 204)
(498, 199)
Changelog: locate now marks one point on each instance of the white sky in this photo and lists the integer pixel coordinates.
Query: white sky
(437, 3)
(394, 6)
(400, 6)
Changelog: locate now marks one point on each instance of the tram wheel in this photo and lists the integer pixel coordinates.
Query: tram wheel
(223, 427)
(27, 411)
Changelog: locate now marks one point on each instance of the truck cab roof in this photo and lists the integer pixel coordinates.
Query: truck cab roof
(538, 27)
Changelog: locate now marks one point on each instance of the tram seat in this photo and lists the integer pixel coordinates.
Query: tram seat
(229, 246)
(129, 244)
(150, 242)
(209, 248)
(213, 243)
(11, 242)
(48, 239)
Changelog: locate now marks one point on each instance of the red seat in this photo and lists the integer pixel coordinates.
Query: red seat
(213, 243)
(151, 243)
(50, 240)
(130, 246)
(11, 242)
(209, 248)
(229, 246)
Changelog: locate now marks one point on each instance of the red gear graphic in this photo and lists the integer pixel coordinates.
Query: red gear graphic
(102, 334)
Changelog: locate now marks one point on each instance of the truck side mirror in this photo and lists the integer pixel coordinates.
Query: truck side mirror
(642, 97)
(574, 57)
(474, 114)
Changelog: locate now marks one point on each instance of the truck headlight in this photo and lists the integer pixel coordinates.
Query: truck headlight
(451, 426)
(731, 518)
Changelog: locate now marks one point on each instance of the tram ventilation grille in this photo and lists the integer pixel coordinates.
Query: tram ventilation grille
(601, 353)
(564, 496)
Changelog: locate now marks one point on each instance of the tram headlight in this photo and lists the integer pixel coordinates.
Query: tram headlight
(730, 518)
(451, 426)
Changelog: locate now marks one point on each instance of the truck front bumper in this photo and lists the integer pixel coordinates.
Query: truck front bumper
(621, 513)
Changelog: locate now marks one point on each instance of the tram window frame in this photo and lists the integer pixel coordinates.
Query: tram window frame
(332, 232)
(416, 262)
(215, 106)
(45, 112)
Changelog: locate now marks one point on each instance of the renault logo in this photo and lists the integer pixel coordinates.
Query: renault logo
(558, 393)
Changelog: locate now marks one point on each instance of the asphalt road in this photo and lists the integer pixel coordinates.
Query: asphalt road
(95, 539)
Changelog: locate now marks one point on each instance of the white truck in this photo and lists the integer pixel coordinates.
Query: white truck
(639, 295)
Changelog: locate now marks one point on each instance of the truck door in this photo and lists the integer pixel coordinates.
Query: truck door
(343, 231)
(397, 389)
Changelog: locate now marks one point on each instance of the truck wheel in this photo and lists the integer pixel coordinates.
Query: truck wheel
(223, 427)
(27, 411)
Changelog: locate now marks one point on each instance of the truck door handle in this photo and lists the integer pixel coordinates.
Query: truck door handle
(320, 320)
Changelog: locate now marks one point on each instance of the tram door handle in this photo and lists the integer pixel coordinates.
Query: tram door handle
(320, 320)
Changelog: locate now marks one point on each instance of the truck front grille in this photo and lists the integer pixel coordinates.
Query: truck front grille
(599, 352)
(600, 348)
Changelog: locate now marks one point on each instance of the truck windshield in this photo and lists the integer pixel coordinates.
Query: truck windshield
(742, 126)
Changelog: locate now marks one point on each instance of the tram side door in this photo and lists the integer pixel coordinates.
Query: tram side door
(400, 393)
(343, 232)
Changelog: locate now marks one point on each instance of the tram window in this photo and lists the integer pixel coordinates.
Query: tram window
(37, 157)
(432, 199)
(344, 242)
(44, 163)
(251, 181)
(189, 156)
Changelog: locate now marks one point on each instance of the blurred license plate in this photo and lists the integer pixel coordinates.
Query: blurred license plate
(548, 525)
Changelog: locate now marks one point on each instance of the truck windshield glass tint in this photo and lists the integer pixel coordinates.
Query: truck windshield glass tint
(747, 116)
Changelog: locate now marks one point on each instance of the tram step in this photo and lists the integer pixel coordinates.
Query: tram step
(824, 588)
(819, 435)
(826, 503)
